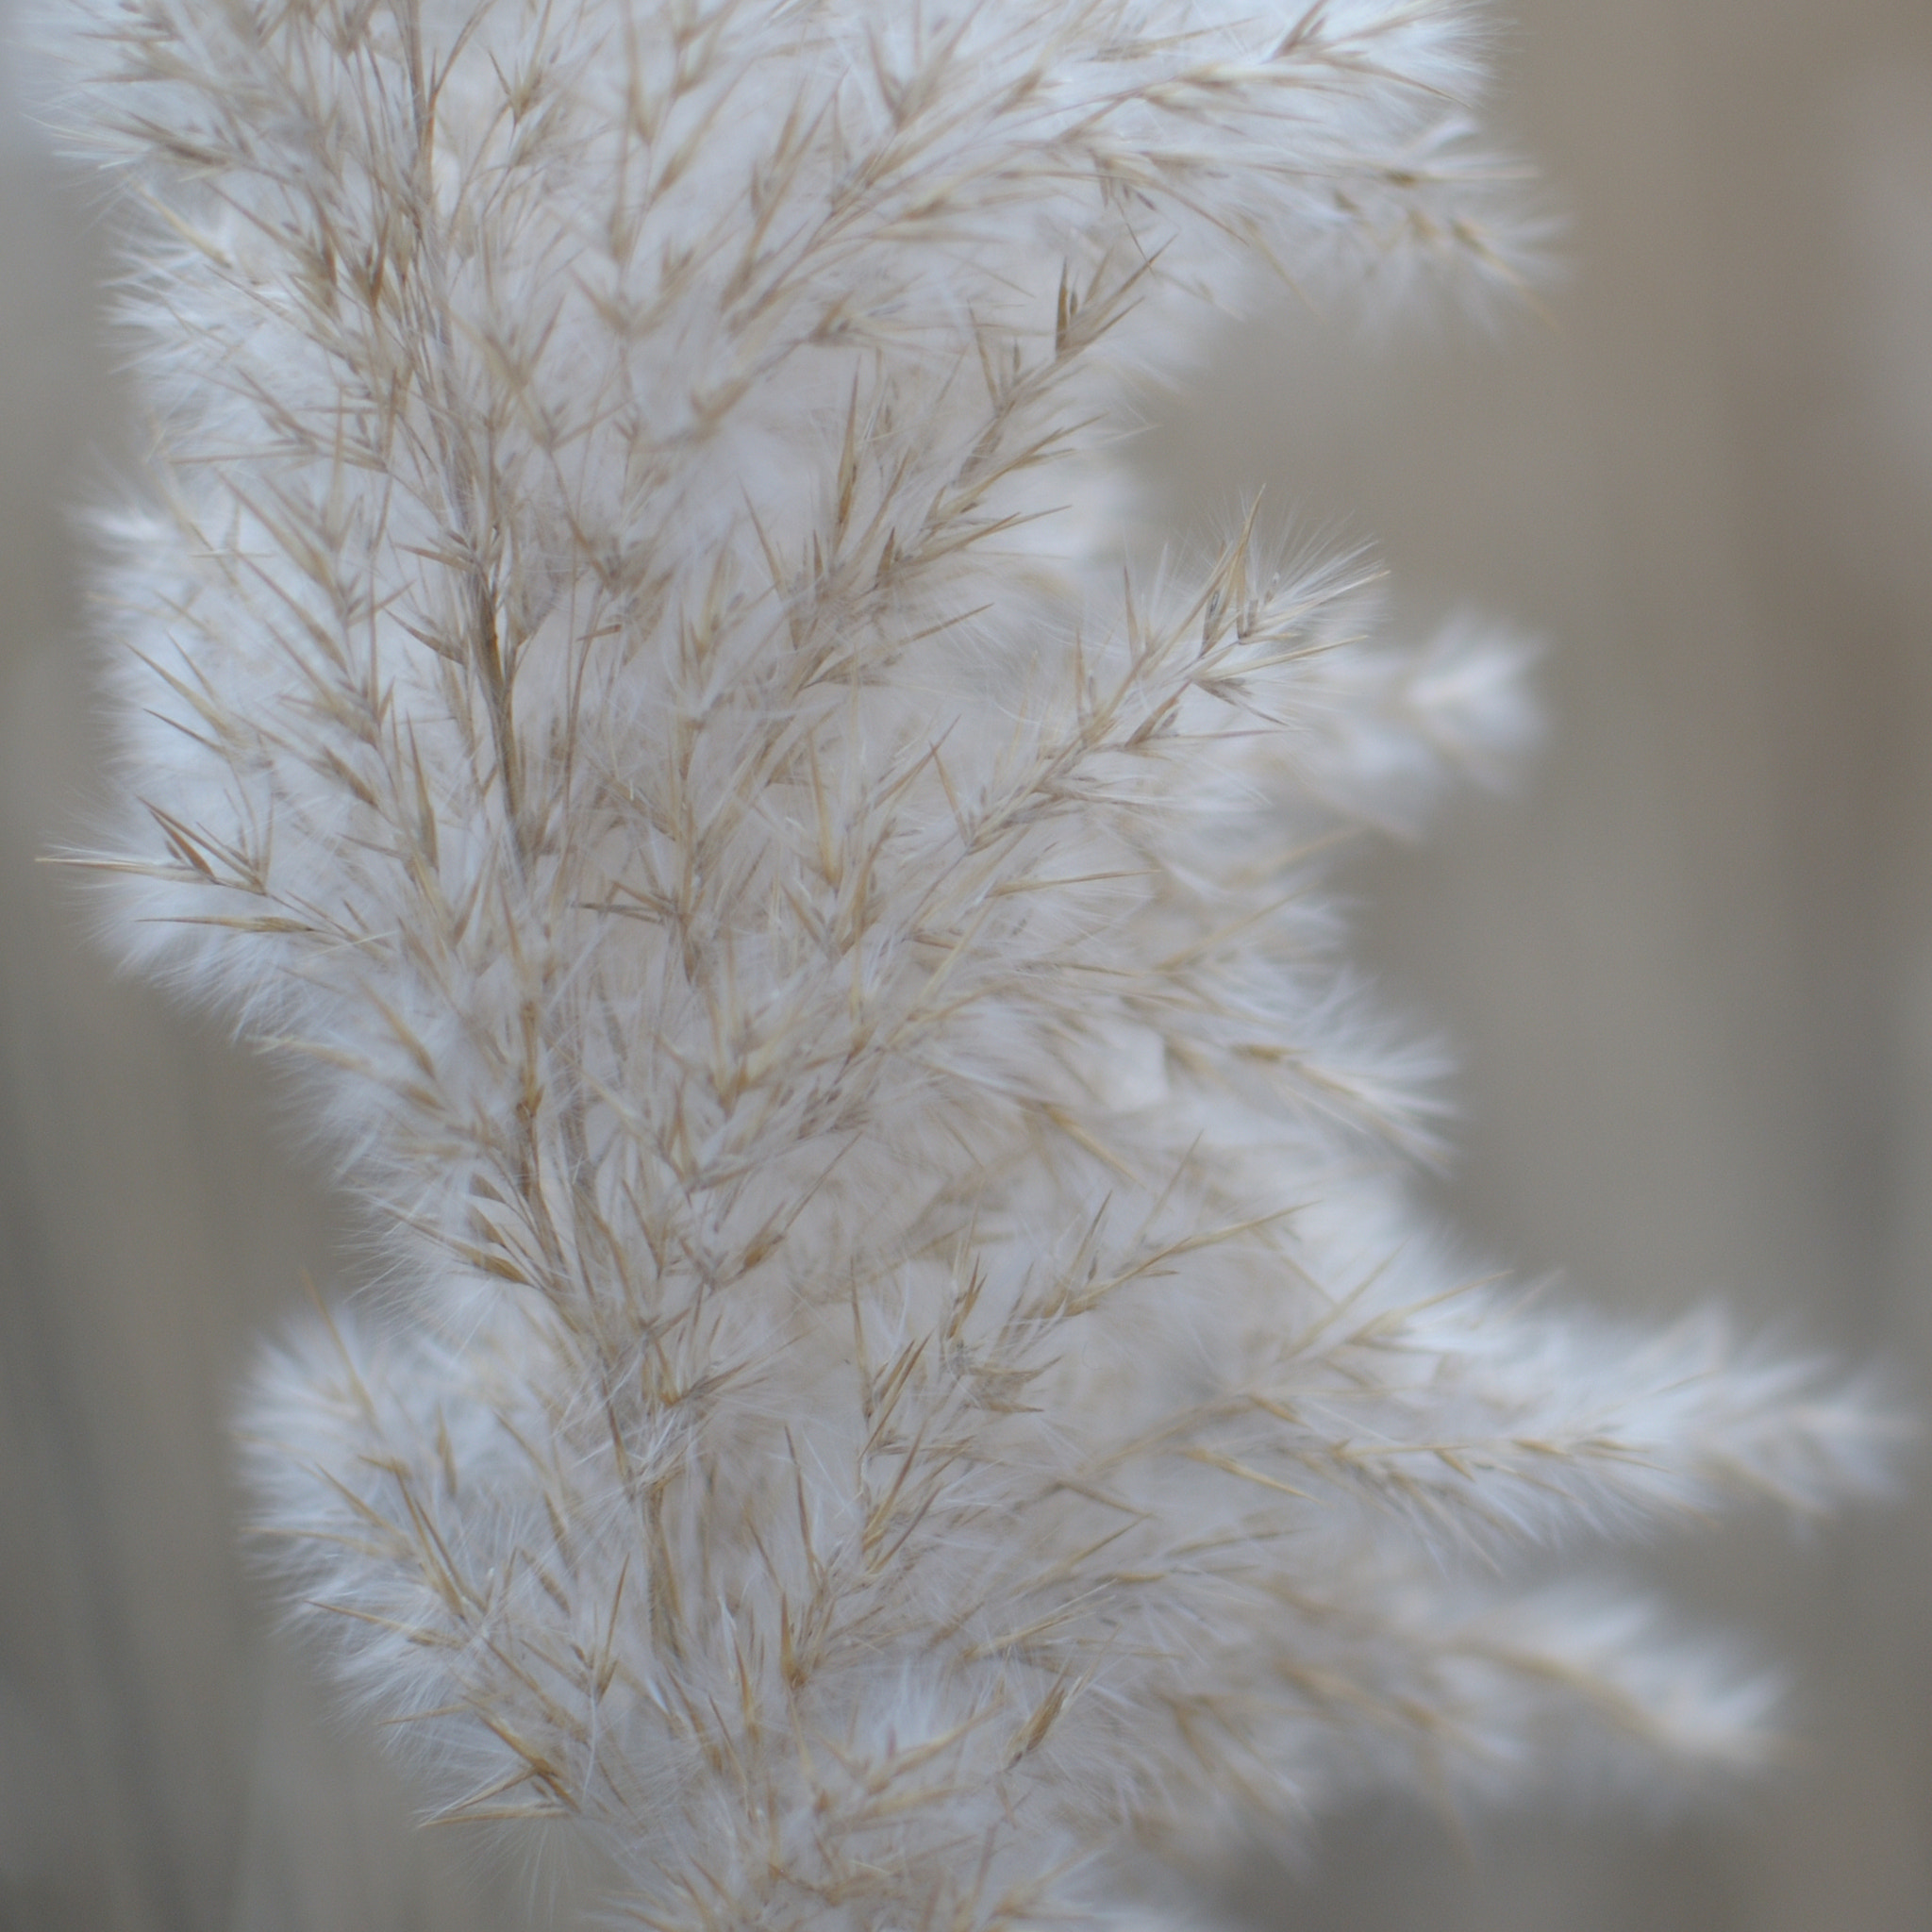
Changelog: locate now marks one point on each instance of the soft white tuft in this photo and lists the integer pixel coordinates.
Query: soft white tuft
(909, 1370)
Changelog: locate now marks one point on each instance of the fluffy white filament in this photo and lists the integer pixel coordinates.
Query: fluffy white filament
(906, 1373)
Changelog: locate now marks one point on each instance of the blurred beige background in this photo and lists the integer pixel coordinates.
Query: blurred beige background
(1688, 971)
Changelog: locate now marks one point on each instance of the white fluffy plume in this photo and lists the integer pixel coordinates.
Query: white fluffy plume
(906, 1371)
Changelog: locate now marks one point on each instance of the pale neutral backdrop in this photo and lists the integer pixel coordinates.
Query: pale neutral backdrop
(1688, 968)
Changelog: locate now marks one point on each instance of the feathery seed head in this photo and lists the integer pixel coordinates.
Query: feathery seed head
(912, 1369)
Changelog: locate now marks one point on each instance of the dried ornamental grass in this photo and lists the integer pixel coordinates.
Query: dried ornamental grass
(904, 1373)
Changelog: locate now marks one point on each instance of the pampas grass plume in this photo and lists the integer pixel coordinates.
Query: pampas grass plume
(904, 1376)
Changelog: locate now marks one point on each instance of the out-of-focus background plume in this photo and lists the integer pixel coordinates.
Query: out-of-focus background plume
(1688, 970)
